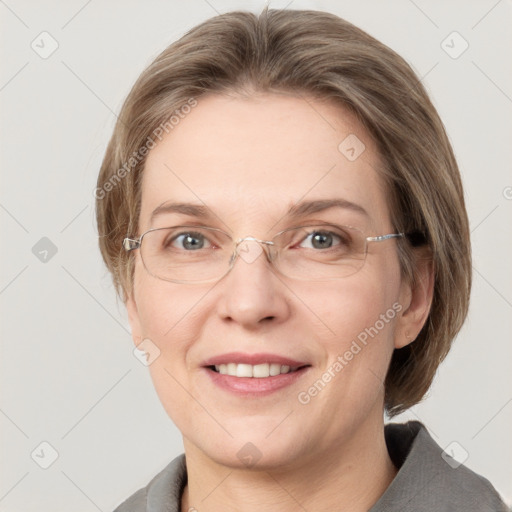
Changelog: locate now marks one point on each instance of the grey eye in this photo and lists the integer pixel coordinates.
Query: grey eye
(322, 240)
(189, 241)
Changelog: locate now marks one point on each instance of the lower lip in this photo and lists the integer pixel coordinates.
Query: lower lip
(255, 386)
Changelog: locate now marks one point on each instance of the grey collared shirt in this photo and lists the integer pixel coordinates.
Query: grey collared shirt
(425, 482)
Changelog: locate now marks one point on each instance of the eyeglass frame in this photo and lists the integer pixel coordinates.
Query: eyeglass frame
(132, 244)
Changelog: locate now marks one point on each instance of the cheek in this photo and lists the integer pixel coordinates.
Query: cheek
(362, 322)
(167, 315)
(357, 302)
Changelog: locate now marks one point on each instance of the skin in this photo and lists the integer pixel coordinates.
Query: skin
(248, 159)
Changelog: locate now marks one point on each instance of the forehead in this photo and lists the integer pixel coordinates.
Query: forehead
(251, 159)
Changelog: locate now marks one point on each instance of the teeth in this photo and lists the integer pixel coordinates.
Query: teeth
(244, 370)
(258, 371)
(275, 369)
(261, 370)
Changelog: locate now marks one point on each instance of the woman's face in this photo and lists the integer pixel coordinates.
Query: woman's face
(248, 161)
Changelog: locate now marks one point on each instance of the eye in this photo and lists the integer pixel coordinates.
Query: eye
(321, 240)
(327, 237)
(189, 241)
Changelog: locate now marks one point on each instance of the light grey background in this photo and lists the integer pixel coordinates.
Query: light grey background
(68, 374)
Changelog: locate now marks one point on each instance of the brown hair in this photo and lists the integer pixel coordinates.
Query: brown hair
(319, 55)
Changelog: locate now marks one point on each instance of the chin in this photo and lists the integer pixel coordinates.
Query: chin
(255, 456)
(252, 448)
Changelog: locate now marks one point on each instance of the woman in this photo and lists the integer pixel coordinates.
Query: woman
(284, 219)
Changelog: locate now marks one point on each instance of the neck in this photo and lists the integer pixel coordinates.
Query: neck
(349, 477)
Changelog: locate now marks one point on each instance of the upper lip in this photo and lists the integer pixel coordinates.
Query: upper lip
(252, 359)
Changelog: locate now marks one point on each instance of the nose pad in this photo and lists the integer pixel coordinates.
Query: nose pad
(249, 250)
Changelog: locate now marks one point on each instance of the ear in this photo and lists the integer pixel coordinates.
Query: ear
(133, 318)
(416, 299)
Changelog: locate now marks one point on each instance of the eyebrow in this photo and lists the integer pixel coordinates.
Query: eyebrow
(309, 207)
(298, 210)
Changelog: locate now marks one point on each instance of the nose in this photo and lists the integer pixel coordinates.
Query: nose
(251, 293)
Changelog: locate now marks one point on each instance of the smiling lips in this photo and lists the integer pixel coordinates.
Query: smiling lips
(256, 379)
(238, 364)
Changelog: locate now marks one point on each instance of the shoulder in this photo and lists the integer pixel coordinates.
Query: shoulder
(430, 479)
(162, 493)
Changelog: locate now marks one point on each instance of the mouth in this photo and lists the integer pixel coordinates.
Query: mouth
(254, 374)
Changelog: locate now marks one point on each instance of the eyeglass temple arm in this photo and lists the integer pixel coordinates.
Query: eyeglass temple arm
(384, 237)
(129, 244)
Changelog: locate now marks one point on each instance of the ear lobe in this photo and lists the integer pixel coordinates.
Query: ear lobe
(417, 300)
(133, 318)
